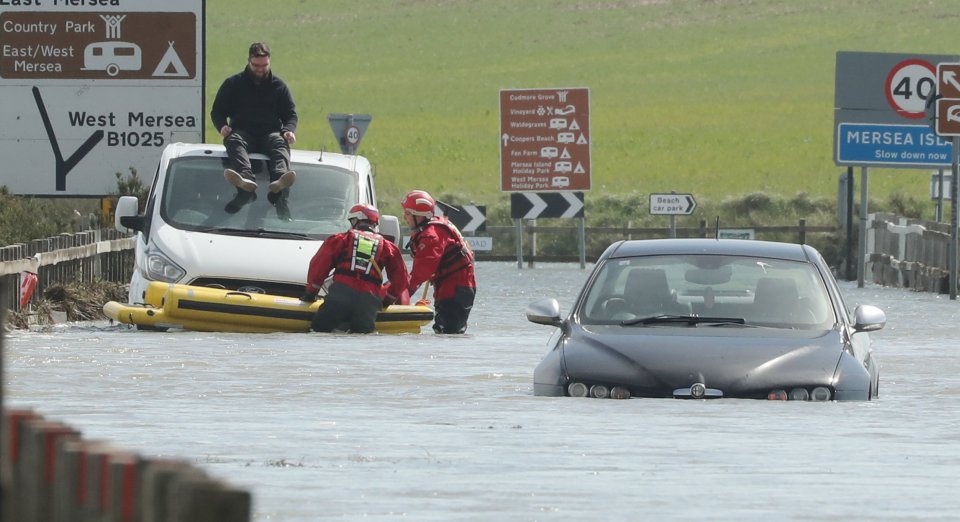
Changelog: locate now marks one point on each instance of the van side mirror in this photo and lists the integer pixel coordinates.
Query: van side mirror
(390, 228)
(126, 219)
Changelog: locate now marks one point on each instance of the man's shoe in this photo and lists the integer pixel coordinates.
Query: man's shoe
(241, 182)
(284, 181)
(238, 201)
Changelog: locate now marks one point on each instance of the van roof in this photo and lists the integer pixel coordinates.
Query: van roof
(346, 161)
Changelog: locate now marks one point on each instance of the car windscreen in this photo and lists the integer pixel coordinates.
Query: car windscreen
(195, 197)
(761, 291)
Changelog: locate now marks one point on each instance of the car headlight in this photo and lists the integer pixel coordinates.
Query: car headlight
(161, 268)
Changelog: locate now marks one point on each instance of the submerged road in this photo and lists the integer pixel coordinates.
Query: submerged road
(424, 427)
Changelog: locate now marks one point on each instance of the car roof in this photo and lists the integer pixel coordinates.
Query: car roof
(735, 247)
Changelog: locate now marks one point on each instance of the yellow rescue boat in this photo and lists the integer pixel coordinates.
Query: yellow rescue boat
(206, 309)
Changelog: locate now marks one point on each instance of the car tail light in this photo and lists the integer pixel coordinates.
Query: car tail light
(577, 389)
(799, 394)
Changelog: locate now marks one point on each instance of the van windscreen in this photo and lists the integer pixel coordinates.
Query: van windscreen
(197, 197)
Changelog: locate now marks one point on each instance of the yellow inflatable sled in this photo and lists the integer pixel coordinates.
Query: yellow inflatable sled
(206, 309)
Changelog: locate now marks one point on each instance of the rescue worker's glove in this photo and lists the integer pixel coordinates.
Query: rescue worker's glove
(308, 297)
(423, 302)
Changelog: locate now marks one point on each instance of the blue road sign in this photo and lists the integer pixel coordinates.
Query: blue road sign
(891, 145)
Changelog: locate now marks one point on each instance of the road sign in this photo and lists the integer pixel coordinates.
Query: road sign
(948, 102)
(880, 106)
(468, 218)
(672, 204)
(545, 139)
(352, 136)
(908, 85)
(891, 145)
(546, 205)
(935, 185)
(349, 129)
(948, 80)
(89, 93)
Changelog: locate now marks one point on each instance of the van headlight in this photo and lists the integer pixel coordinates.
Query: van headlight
(161, 268)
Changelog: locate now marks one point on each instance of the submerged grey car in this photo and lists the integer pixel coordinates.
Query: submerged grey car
(709, 319)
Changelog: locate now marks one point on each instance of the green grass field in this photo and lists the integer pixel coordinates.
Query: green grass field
(714, 97)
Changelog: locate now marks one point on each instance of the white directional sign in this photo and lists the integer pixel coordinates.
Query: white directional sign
(672, 204)
(95, 89)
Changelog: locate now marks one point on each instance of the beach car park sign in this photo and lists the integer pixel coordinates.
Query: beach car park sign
(92, 88)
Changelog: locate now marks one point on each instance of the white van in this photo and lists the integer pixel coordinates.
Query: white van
(186, 236)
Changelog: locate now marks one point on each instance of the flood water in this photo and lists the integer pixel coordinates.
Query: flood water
(424, 427)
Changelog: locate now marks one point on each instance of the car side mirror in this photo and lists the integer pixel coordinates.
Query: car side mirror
(390, 228)
(868, 318)
(545, 311)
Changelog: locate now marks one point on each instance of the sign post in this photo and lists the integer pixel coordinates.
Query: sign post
(545, 205)
(545, 147)
(948, 124)
(544, 140)
(672, 204)
(349, 130)
(880, 102)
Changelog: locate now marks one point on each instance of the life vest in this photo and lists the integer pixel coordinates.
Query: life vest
(361, 262)
(455, 257)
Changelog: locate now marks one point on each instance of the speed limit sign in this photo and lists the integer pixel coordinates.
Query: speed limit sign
(909, 84)
(353, 135)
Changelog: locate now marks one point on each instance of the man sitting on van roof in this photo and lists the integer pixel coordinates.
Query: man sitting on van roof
(254, 112)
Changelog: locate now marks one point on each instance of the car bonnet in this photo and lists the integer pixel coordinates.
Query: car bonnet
(670, 357)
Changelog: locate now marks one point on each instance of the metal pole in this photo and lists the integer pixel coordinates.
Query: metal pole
(351, 148)
(673, 222)
(861, 255)
(849, 211)
(954, 190)
(939, 214)
(583, 243)
(519, 225)
(533, 243)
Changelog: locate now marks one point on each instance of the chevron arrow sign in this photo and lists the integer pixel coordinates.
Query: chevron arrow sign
(468, 218)
(533, 205)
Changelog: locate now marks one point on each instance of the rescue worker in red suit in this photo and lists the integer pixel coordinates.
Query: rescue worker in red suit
(442, 257)
(358, 258)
